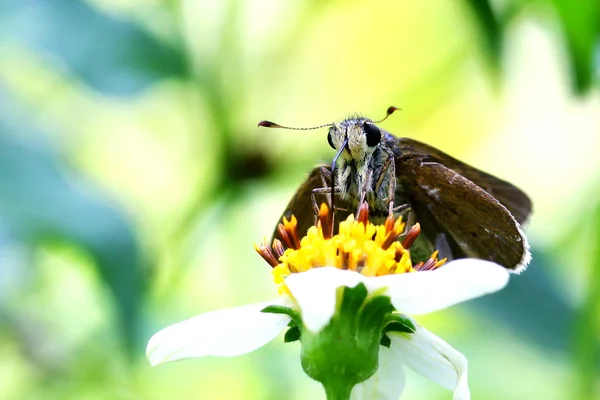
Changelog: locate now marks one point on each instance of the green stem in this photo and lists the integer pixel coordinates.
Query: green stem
(338, 389)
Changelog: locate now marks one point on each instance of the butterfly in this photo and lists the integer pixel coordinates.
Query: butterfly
(463, 211)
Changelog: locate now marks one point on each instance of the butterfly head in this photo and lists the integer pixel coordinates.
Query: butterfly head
(358, 136)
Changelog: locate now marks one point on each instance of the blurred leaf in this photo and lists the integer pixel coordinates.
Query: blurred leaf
(109, 54)
(42, 198)
(580, 22)
(490, 28)
(587, 352)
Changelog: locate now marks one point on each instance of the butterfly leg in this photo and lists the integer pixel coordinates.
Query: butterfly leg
(401, 209)
(405, 209)
(388, 170)
(409, 216)
(363, 190)
(326, 191)
(319, 191)
(325, 172)
(443, 247)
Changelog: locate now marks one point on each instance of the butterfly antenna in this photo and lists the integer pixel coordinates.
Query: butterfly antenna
(269, 124)
(389, 112)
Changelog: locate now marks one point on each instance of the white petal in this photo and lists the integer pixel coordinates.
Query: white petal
(315, 293)
(227, 332)
(387, 383)
(428, 291)
(433, 358)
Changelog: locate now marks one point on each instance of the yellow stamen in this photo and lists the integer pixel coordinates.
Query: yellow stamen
(372, 250)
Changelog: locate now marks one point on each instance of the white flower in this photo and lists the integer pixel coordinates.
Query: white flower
(240, 330)
(423, 352)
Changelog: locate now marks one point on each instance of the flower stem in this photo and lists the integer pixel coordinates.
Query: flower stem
(338, 389)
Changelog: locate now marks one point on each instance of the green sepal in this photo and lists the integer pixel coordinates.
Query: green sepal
(353, 298)
(346, 351)
(397, 327)
(398, 323)
(293, 314)
(292, 335)
(373, 310)
(385, 341)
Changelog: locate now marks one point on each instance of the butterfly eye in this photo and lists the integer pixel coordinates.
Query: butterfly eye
(330, 140)
(373, 134)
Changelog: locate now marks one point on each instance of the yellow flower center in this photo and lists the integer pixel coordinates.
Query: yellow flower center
(372, 250)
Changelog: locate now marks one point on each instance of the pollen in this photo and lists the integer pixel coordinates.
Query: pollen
(371, 250)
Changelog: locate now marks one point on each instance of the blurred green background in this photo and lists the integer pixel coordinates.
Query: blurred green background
(133, 178)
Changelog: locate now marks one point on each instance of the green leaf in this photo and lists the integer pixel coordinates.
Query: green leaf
(490, 29)
(109, 54)
(580, 22)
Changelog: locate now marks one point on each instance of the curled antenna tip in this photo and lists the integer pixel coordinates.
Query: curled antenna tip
(391, 109)
(389, 112)
(268, 124)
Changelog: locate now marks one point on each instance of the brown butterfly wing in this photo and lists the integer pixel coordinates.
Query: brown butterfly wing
(474, 222)
(513, 198)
